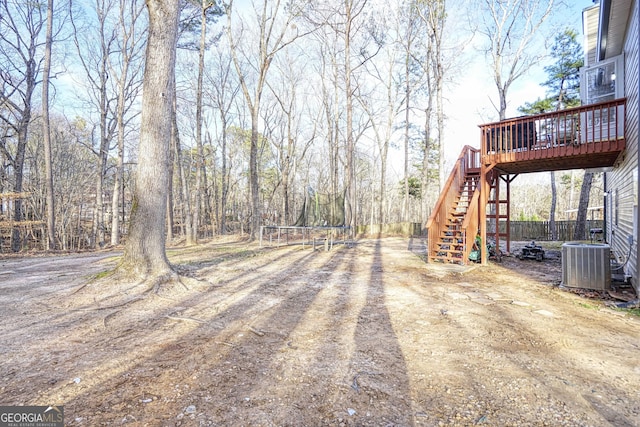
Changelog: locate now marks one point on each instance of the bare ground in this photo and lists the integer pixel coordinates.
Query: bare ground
(366, 336)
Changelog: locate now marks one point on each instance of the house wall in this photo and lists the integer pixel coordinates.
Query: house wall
(590, 18)
(622, 182)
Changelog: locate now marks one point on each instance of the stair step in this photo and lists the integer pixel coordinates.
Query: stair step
(454, 239)
(446, 260)
(450, 252)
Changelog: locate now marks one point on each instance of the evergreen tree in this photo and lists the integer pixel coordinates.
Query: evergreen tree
(563, 91)
(563, 76)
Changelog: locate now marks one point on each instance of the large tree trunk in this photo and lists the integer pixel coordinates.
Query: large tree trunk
(145, 249)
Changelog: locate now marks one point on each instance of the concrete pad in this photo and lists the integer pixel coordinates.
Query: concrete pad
(456, 295)
(544, 313)
(521, 303)
(497, 297)
(465, 284)
(483, 301)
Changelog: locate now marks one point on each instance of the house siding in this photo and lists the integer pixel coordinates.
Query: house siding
(622, 185)
(590, 20)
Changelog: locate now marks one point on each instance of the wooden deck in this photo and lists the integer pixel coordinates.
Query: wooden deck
(585, 137)
(590, 136)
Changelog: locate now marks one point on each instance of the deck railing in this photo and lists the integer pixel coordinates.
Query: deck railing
(588, 129)
(469, 160)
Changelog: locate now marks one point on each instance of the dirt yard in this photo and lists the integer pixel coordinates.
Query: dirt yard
(361, 336)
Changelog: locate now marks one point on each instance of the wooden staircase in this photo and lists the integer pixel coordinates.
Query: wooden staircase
(453, 223)
(451, 241)
(472, 201)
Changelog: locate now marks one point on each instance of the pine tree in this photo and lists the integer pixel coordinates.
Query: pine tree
(563, 91)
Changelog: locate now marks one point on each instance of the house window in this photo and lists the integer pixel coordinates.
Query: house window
(602, 81)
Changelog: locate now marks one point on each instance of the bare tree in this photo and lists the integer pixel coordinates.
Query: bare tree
(223, 90)
(382, 105)
(21, 24)
(126, 70)
(285, 132)
(46, 131)
(409, 31)
(434, 15)
(331, 108)
(207, 10)
(275, 33)
(94, 48)
(509, 28)
(357, 41)
(145, 254)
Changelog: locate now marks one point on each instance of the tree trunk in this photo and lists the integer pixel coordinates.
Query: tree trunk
(103, 149)
(170, 201)
(16, 237)
(145, 253)
(118, 180)
(51, 223)
(580, 231)
(193, 233)
(407, 141)
(552, 211)
(118, 190)
(224, 178)
(126, 86)
(18, 163)
(253, 174)
(350, 194)
(185, 193)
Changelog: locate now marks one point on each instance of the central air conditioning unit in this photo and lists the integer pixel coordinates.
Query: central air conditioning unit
(586, 265)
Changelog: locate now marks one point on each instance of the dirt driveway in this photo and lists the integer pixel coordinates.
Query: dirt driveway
(362, 336)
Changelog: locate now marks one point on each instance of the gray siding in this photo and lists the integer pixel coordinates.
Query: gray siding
(590, 20)
(622, 181)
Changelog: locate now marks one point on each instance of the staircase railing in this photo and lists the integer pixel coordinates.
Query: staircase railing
(469, 159)
(471, 224)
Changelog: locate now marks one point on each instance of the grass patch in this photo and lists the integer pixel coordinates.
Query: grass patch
(633, 311)
(555, 244)
(103, 274)
(589, 306)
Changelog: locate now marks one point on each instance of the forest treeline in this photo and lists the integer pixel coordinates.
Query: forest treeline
(273, 101)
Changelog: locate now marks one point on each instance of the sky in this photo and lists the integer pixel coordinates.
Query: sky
(468, 103)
